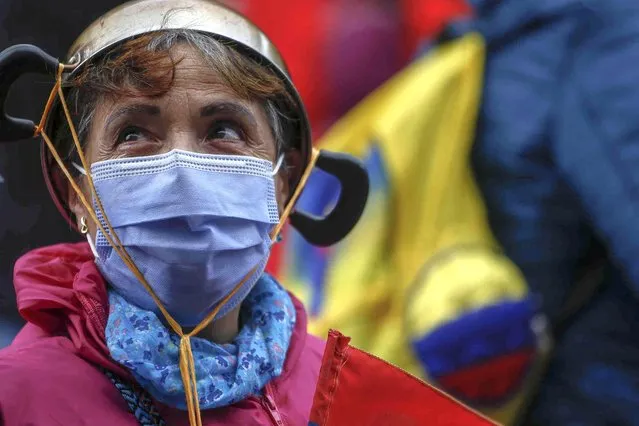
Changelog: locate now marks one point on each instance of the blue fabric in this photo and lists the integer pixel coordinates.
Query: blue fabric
(480, 335)
(225, 373)
(140, 403)
(194, 224)
(557, 159)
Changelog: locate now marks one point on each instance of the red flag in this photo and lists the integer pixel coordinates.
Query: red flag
(356, 388)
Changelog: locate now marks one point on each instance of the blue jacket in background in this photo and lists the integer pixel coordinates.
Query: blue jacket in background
(557, 159)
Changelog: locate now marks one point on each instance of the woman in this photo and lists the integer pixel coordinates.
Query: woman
(188, 146)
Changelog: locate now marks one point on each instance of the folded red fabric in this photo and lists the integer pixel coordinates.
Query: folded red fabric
(356, 388)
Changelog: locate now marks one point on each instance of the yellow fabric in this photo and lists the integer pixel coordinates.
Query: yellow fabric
(375, 290)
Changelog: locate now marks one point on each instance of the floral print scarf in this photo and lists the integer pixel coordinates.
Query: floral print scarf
(225, 373)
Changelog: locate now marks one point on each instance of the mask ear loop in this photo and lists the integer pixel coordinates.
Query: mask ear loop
(79, 168)
(84, 230)
(278, 165)
(296, 194)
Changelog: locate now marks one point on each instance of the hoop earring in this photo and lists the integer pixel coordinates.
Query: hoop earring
(84, 228)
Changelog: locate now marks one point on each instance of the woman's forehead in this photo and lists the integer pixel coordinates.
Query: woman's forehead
(193, 69)
(195, 82)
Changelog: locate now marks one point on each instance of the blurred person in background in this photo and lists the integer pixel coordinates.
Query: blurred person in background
(556, 157)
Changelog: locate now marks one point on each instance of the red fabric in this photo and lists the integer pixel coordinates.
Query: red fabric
(424, 19)
(356, 388)
(319, 40)
(48, 374)
(297, 29)
(471, 384)
(330, 74)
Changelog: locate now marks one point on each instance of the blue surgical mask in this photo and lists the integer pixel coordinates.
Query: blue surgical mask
(195, 225)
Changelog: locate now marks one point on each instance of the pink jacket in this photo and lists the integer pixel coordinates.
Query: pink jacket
(49, 375)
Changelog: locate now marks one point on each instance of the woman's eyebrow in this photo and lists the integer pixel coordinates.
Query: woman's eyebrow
(132, 109)
(226, 107)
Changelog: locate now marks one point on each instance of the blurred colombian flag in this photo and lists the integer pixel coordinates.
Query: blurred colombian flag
(421, 281)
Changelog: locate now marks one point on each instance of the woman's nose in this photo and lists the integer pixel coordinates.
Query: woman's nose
(185, 139)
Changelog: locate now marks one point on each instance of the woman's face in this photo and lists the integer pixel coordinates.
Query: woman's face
(199, 114)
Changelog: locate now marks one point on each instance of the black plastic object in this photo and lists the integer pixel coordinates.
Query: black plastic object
(353, 178)
(16, 61)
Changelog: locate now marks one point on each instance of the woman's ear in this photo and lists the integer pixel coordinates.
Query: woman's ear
(293, 162)
(281, 189)
(287, 176)
(76, 206)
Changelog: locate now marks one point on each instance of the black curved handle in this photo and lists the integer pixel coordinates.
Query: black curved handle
(354, 182)
(16, 61)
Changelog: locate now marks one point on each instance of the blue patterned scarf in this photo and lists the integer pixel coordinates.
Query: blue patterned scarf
(225, 373)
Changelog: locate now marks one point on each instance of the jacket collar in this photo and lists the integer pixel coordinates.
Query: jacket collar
(60, 291)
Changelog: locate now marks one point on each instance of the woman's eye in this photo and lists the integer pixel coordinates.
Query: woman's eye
(226, 131)
(131, 134)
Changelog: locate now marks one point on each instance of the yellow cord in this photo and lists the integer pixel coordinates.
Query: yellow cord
(187, 363)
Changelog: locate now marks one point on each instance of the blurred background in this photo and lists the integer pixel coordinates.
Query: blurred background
(497, 257)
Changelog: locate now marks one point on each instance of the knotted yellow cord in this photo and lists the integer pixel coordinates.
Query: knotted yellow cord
(187, 363)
